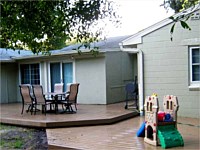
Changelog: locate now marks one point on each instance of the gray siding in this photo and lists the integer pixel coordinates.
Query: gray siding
(121, 68)
(90, 73)
(8, 81)
(166, 66)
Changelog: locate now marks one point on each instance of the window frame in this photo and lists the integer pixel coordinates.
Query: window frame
(61, 71)
(193, 84)
(20, 75)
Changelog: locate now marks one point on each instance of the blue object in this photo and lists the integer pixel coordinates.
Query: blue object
(168, 118)
(141, 131)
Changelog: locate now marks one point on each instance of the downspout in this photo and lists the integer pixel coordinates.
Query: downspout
(140, 74)
(141, 81)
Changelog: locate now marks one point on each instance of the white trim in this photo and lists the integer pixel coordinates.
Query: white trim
(61, 53)
(40, 72)
(28, 63)
(74, 73)
(129, 50)
(49, 77)
(137, 38)
(140, 60)
(61, 71)
(141, 81)
(193, 84)
(190, 66)
(45, 75)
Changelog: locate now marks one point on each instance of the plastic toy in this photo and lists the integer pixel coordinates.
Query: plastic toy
(161, 127)
(168, 118)
(161, 116)
(141, 131)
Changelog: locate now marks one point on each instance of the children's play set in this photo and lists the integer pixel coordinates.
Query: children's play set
(160, 128)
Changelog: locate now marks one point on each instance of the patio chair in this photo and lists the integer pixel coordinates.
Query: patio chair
(40, 98)
(71, 98)
(27, 99)
(58, 87)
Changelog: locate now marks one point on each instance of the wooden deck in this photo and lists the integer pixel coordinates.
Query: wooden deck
(86, 115)
(94, 127)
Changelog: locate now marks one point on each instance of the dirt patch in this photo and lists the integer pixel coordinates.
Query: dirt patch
(22, 138)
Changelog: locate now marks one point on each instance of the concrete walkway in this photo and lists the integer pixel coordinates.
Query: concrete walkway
(119, 136)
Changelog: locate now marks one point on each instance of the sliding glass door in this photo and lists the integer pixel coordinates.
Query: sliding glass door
(55, 74)
(61, 73)
(67, 74)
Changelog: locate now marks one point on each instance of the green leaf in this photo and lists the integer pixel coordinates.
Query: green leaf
(60, 21)
(171, 17)
(185, 25)
(172, 28)
(171, 38)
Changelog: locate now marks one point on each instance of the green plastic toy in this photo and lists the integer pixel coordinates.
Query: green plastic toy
(162, 131)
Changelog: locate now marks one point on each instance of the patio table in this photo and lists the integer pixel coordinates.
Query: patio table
(55, 99)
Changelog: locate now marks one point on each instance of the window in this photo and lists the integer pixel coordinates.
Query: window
(30, 73)
(61, 72)
(195, 65)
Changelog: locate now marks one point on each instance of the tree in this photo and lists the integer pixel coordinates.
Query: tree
(41, 25)
(178, 6)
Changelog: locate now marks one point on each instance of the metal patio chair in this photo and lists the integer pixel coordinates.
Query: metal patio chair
(40, 98)
(27, 98)
(58, 87)
(71, 98)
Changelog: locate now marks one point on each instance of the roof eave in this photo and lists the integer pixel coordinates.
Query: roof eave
(54, 54)
(8, 61)
(137, 38)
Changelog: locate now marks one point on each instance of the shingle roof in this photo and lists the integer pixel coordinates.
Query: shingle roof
(8, 55)
(109, 44)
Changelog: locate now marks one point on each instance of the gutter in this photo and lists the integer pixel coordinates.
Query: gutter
(61, 53)
(140, 73)
(7, 61)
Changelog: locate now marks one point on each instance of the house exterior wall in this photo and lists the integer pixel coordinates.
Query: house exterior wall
(91, 75)
(121, 68)
(8, 81)
(29, 61)
(166, 66)
(89, 72)
(102, 79)
(45, 69)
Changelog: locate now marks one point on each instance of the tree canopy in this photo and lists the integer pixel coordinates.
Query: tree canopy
(178, 6)
(41, 25)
